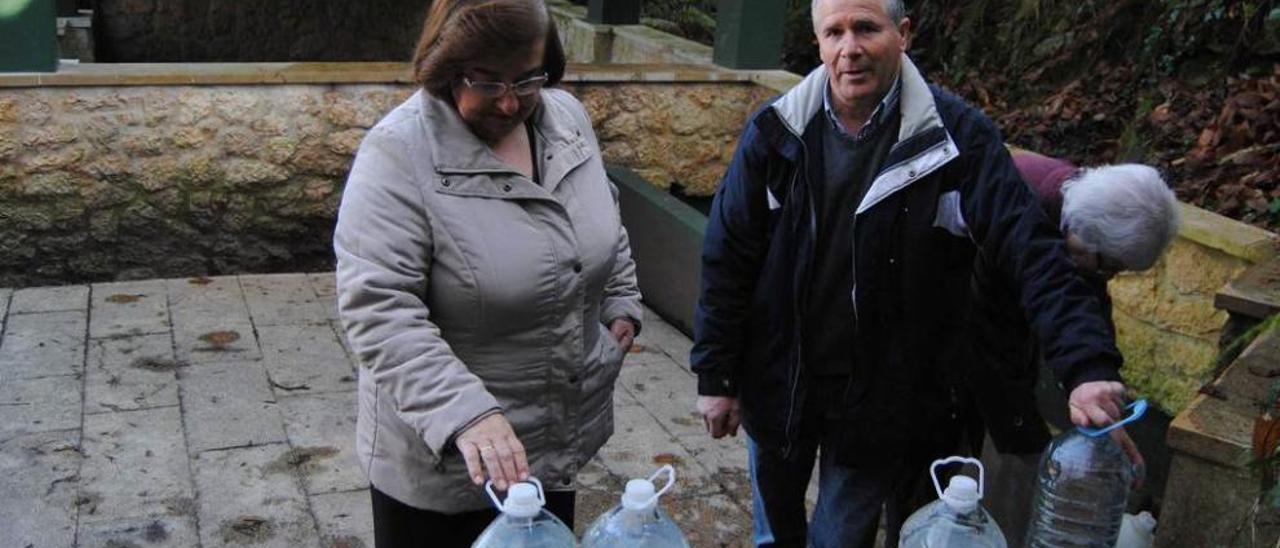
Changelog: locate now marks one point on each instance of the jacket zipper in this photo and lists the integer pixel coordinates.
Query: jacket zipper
(813, 233)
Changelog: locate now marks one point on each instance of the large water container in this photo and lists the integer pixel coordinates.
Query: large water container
(523, 522)
(956, 519)
(1082, 488)
(638, 522)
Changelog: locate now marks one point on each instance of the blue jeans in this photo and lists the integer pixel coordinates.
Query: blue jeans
(847, 513)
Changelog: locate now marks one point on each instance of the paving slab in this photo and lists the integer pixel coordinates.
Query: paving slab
(128, 308)
(662, 336)
(43, 345)
(249, 496)
(38, 474)
(345, 519)
(305, 359)
(228, 405)
(213, 340)
(640, 446)
(321, 429)
(39, 405)
(326, 290)
(50, 299)
(150, 532)
(201, 300)
(282, 299)
(135, 465)
(128, 373)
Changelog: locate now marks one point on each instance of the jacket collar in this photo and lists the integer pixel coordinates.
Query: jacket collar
(458, 152)
(923, 144)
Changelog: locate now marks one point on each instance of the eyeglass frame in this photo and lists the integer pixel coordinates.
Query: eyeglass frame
(485, 88)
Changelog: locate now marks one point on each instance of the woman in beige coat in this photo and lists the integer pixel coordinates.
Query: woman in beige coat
(485, 281)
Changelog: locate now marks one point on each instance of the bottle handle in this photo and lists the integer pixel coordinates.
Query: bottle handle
(1138, 408)
(671, 480)
(488, 487)
(982, 473)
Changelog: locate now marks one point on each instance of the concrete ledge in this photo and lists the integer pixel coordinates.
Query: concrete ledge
(182, 74)
(1227, 235)
(666, 243)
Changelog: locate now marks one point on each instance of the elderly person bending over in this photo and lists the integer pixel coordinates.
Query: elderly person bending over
(485, 281)
(1115, 218)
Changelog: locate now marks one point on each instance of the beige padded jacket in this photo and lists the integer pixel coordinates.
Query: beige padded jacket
(464, 287)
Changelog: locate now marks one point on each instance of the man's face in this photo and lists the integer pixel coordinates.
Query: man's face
(861, 48)
(1091, 263)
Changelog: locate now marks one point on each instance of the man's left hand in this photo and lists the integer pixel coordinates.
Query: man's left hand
(624, 332)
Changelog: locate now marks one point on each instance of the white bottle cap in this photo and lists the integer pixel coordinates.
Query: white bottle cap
(522, 501)
(639, 495)
(1146, 520)
(962, 494)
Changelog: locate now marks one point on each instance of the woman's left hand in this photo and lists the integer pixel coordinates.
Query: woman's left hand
(624, 332)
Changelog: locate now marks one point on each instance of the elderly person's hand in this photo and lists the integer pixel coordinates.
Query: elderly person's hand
(1100, 403)
(624, 332)
(720, 414)
(491, 441)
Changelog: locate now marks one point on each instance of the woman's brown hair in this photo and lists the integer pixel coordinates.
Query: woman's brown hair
(457, 31)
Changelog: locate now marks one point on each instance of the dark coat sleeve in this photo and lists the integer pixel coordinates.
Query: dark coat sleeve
(732, 255)
(1005, 219)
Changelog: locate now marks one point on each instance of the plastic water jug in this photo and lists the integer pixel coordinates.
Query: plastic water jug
(956, 519)
(1082, 488)
(638, 522)
(1137, 531)
(523, 522)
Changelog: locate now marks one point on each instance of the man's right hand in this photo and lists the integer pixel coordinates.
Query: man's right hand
(720, 415)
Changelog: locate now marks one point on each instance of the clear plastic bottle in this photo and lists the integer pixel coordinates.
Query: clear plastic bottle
(1137, 531)
(638, 522)
(1082, 488)
(956, 519)
(523, 523)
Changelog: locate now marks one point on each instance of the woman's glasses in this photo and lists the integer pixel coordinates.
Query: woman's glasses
(493, 90)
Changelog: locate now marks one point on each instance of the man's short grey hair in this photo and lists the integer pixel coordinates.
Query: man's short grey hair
(1124, 212)
(894, 8)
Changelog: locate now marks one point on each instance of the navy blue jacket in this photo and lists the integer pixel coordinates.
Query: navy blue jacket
(947, 189)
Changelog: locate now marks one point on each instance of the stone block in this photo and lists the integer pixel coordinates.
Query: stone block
(38, 479)
(1136, 293)
(134, 464)
(42, 345)
(39, 405)
(56, 159)
(129, 308)
(302, 359)
(321, 429)
(346, 142)
(245, 172)
(229, 405)
(1211, 506)
(342, 111)
(1192, 315)
(188, 137)
(152, 532)
(1195, 269)
(345, 519)
(191, 299)
(282, 299)
(248, 496)
(50, 299)
(129, 373)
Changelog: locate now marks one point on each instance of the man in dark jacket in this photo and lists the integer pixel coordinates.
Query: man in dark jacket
(1114, 218)
(835, 279)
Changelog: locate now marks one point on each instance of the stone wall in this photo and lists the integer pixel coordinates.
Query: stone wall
(134, 31)
(1166, 323)
(103, 183)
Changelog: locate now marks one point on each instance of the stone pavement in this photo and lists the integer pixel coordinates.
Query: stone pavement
(221, 412)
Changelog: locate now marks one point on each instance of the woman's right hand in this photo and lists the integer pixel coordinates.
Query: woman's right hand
(491, 441)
